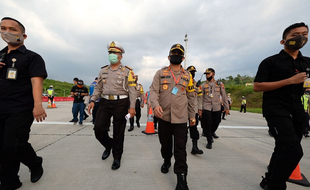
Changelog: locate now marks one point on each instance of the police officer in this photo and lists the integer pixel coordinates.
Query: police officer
(139, 104)
(172, 96)
(193, 131)
(306, 102)
(243, 105)
(210, 109)
(116, 86)
(50, 93)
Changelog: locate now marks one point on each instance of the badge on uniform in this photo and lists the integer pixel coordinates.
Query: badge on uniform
(165, 86)
(104, 81)
(175, 90)
(12, 72)
(182, 88)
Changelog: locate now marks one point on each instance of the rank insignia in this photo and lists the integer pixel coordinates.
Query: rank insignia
(165, 73)
(184, 84)
(165, 81)
(165, 86)
(207, 86)
(119, 82)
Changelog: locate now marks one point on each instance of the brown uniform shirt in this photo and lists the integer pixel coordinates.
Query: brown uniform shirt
(198, 93)
(213, 103)
(140, 93)
(179, 107)
(116, 82)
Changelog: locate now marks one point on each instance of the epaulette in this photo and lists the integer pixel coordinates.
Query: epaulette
(128, 68)
(104, 66)
(164, 67)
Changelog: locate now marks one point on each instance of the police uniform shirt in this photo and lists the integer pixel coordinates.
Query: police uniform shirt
(198, 93)
(16, 95)
(116, 82)
(213, 103)
(140, 93)
(176, 108)
(285, 101)
(78, 99)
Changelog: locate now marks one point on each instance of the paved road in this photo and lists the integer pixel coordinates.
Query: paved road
(72, 157)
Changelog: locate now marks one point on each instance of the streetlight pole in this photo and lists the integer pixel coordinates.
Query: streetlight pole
(185, 50)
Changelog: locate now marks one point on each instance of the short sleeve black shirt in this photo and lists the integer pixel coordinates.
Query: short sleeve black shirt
(285, 101)
(16, 95)
(79, 98)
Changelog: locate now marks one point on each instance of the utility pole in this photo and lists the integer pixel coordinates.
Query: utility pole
(185, 51)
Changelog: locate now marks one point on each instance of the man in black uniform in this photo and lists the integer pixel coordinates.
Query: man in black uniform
(78, 92)
(193, 131)
(281, 78)
(21, 86)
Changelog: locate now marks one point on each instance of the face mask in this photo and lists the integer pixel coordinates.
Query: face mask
(193, 74)
(12, 39)
(297, 42)
(176, 59)
(307, 92)
(113, 58)
(210, 78)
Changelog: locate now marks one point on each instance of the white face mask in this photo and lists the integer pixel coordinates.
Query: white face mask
(12, 39)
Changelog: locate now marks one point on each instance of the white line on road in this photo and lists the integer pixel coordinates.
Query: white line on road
(144, 125)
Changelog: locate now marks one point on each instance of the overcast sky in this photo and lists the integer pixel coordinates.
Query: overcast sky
(231, 36)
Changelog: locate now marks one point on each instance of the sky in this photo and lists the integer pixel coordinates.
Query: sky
(232, 37)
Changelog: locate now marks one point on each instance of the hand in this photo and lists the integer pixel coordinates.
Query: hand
(298, 78)
(142, 105)
(132, 112)
(1, 65)
(227, 112)
(39, 113)
(158, 111)
(200, 113)
(75, 93)
(90, 107)
(191, 122)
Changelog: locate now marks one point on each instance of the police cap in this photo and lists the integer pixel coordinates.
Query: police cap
(177, 47)
(209, 70)
(191, 68)
(116, 47)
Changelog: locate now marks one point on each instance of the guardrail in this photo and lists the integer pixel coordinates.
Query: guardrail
(57, 99)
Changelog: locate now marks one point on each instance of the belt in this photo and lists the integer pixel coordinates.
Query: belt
(114, 97)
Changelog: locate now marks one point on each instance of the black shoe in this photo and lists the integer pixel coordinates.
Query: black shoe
(138, 124)
(85, 117)
(215, 136)
(106, 154)
(209, 146)
(223, 118)
(116, 164)
(263, 184)
(182, 183)
(165, 167)
(72, 120)
(195, 149)
(37, 172)
(130, 129)
(306, 135)
(155, 126)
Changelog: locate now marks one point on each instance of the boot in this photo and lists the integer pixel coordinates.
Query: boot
(182, 183)
(195, 149)
(131, 128)
(138, 124)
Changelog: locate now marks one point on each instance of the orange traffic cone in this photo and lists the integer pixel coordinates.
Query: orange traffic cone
(49, 104)
(150, 124)
(54, 105)
(298, 178)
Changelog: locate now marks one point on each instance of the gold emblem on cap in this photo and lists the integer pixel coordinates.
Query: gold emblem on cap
(112, 44)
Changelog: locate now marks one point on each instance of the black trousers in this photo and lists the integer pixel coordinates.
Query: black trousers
(211, 120)
(193, 131)
(118, 109)
(51, 98)
(138, 113)
(243, 107)
(94, 113)
(287, 133)
(306, 125)
(173, 137)
(15, 148)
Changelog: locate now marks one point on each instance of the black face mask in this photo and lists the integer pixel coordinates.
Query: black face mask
(297, 42)
(176, 59)
(193, 74)
(307, 92)
(210, 78)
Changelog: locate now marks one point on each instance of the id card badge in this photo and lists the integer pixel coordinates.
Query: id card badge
(11, 73)
(175, 90)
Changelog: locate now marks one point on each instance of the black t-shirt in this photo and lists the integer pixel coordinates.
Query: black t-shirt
(16, 95)
(79, 97)
(284, 101)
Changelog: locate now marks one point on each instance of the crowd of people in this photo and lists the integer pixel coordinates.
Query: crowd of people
(177, 99)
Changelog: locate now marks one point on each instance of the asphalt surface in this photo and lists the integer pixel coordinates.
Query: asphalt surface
(72, 157)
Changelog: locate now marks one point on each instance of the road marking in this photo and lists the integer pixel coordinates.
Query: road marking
(144, 125)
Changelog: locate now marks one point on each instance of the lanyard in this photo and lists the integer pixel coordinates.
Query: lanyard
(176, 81)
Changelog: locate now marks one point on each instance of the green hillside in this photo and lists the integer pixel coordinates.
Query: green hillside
(62, 89)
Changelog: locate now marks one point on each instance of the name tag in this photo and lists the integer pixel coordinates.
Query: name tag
(174, 90)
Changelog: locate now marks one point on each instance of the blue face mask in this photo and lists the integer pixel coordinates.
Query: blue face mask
(113, 58)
